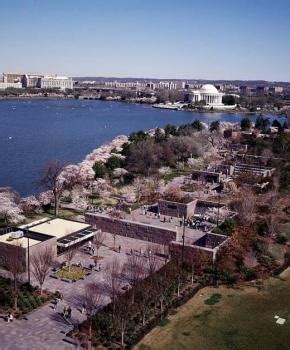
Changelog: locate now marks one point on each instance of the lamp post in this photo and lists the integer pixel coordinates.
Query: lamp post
(28, 257)
(183, 241)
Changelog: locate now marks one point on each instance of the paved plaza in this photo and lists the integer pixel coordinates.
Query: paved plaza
(45, 328)
(171, 223)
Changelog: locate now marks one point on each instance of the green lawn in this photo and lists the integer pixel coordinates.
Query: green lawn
(72, 273)
(241, 318)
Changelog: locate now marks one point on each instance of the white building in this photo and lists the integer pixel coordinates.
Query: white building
(4, 85)
(210, 96)
(53, 82)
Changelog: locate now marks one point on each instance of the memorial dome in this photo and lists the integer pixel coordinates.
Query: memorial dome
(208, 89)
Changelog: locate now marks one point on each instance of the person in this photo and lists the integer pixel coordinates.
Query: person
(99, 267)
(119, 249)
(130, 210)
(64, 312)
(83, 308)
(69, 312)
(93, 251)
(90, 245)
(9, 317)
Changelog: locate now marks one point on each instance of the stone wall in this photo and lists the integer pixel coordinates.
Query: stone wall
(132, 229)
(210, 240)
(41, 246)
(206, 176)
(176, 209)
(191, 252)
(17, 252)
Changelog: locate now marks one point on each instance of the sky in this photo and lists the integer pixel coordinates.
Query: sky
(186, 39)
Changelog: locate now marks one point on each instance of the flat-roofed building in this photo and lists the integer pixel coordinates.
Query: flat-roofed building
(57, 234)
(55, 82)
(4, 86)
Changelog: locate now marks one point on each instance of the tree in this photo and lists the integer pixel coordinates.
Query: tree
(30, 205)
(144, 298)
(9, 209)
(246, 124)
(69, 255)
(122, 316)
(112, 280)
(15, 262)
(214, 126)
(99, 238)
(134, 271)
(51, 180)
(99, 169)
(114, 162)
(79, 199)
(196, 124)
(229, 100)
(92, 299)
(245, 205)
(262, 123)
(41, 262)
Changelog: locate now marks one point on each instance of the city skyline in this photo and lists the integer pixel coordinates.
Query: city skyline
(167, 40)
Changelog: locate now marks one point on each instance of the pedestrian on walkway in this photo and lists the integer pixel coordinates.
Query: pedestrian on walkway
(69, 312)
(64, 312)
(119, 249)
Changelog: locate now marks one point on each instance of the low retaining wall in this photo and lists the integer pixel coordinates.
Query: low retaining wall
(131, 229)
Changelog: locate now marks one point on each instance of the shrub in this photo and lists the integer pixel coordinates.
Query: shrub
(164, 322)
(215, 298)
(281, 239)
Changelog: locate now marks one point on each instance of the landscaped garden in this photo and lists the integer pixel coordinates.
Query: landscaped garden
(228, 318)
(29, 298)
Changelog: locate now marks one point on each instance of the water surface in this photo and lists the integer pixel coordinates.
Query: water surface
(35, 131)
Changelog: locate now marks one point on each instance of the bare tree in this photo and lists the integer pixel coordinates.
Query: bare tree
(41, 262)
(92, 299)
(113, 281)
(69, 255)
(122, 316)
(153, 262)
(99, 238)
(15, 262)
(134, 271)
(144, 299)
(51, 180)
(245, 205)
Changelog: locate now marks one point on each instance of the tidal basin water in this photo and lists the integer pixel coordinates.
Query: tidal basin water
(35, 131)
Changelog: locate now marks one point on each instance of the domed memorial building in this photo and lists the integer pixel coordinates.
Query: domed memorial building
(210, 96)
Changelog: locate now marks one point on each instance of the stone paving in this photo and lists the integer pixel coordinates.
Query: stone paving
(45, 328)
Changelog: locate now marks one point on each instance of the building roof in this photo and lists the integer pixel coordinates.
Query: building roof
(58, 227)
(21, 242)
(209, 89)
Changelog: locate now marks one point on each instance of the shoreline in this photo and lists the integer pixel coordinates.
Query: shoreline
(202, 111)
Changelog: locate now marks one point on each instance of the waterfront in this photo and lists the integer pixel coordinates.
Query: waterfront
(35, 131)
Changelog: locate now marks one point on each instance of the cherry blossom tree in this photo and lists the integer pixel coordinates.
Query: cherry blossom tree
(30, 205)
(10, 212)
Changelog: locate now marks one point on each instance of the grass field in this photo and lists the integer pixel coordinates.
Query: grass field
(237, 319)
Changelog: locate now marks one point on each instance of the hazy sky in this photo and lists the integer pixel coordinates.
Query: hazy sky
(210, 39)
